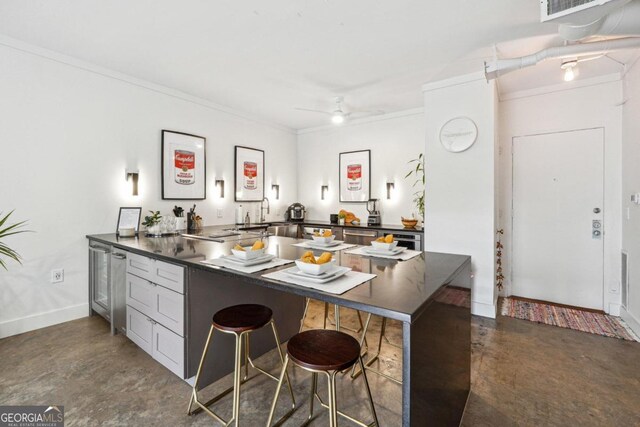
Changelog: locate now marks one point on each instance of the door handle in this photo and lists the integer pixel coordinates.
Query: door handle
(346, 233)
(596, 210)
(119, 256)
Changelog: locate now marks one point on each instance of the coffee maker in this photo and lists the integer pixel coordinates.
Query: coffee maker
(374, 217)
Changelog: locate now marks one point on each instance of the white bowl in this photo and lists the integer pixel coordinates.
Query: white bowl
(314, 269)
(384, 246)
(248, 254)
(324, 240)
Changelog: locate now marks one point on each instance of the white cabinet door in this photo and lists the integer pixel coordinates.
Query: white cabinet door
(168, 349)
(141, 295)
(169, 309)
(140, 265)
(169, 275)
(140, 329)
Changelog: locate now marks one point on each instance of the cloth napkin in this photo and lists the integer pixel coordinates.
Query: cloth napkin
(220, 262)
(338, 286)
(402, 256)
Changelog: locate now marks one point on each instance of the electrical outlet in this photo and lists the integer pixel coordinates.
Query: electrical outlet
(57, 275)
(220, 212)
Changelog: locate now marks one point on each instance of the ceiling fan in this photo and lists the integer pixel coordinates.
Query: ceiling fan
(338, 116)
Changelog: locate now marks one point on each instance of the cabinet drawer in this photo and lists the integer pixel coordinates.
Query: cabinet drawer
(168, 349)
(141, 294)
(169, 275)
(140, 329)
(140, 265)
(169, 309)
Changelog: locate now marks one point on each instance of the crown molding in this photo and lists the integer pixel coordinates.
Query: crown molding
(116, 75)
(576, 84)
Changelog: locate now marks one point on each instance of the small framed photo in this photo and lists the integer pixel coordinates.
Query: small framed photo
(355, 176)
(249, 174)
(184, 174)
(129, 218)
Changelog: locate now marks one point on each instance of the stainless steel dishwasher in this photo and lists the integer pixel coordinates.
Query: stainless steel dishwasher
(359, 237)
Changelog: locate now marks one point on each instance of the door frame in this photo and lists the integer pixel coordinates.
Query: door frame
(509, 287)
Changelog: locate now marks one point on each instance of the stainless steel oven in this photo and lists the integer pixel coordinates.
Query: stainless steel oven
(409, 240)
(359, 237)
(307, 232)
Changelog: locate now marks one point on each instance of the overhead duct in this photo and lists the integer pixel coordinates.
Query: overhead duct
(624, 21)
(502, 66)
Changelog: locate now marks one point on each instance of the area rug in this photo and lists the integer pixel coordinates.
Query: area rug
(578, 320)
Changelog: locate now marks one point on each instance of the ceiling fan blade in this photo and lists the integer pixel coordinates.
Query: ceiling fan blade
(367, 113)
(313, 111)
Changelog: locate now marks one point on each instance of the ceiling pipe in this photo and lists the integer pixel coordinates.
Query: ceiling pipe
(500, 67)
(624, 21)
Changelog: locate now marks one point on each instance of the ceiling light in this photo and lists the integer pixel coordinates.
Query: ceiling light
(568, 66)
(337, 117)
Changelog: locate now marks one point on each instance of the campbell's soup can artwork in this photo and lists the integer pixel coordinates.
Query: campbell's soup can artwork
(250, 175)
(185, 165)
(354, 177)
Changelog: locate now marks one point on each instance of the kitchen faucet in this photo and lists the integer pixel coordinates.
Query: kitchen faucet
(262, 209)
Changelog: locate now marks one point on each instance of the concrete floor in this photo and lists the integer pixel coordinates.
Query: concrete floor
(522, 374)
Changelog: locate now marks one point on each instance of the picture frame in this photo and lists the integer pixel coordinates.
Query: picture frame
(355, 176)
(129, 217)
(248, 174)
(184, 173)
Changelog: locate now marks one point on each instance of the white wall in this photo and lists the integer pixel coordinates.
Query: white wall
(631, 185)
(582, 105)
(68, 132)
(461, 187)
(393, 139)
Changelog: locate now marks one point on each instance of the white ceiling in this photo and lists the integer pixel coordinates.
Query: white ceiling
(268, 57)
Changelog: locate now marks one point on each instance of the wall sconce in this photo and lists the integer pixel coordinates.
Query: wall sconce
(323, 191)
(220, 187)
(276, 189)
(132, 176)
(390, 187)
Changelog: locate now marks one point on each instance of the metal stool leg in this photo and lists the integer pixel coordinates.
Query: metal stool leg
(194, 396)
(314, 390)
(366, 383)
(304, 314)
(331, 385)
(280, 381)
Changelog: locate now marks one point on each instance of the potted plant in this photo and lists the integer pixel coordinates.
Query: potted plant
(5, 231)
(152, 222)
(341, 218)
(419, 183)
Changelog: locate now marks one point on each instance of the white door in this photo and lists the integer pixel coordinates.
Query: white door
(558, 193)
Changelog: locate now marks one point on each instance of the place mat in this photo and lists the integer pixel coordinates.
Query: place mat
(339, 286)
(336, 248)
(402, 256)
(219, 262)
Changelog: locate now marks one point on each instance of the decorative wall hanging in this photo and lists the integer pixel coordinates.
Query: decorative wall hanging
(499, 248)
(249, 174)
(184, 172)
(458, 134)
(129, 218)
(355, 176)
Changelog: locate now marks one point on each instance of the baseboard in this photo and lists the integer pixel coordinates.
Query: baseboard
(630, 320)
(483, 309)
(42, 320)
(614, 309)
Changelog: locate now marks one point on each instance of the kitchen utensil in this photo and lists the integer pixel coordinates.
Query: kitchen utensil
(383, 246)
(333, 218)
(409, 222)
(295, 212)
(323, 240)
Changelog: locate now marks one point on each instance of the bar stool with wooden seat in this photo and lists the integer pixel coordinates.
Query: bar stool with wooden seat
(328, 352)
(239, 320)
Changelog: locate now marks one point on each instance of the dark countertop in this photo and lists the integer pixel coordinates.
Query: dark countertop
(400, 291)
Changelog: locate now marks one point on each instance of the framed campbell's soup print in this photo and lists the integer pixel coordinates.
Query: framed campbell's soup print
(355, 176)
(183, 166)
(249, 174)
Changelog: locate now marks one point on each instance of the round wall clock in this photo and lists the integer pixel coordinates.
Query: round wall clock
(458, 134)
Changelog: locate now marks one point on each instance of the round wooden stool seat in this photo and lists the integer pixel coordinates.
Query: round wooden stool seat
(241, 318)
(323, 350)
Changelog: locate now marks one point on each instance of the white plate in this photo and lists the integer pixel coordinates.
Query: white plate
(395, 251)
(338, 272)
(327, 273)
(318, 245)
(249, 262)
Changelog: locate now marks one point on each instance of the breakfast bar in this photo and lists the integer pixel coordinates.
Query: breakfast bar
(436, 332)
